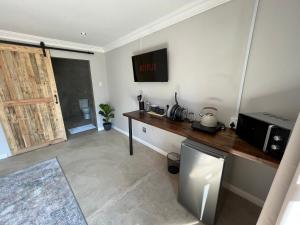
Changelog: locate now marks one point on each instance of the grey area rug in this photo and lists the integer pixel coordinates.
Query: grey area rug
(38, 195)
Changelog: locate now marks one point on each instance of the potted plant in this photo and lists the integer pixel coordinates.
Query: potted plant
(107, 112)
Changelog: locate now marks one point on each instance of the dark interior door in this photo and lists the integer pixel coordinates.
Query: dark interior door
(73, 80)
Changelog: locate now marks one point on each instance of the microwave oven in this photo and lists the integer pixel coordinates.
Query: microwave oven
(266, 131)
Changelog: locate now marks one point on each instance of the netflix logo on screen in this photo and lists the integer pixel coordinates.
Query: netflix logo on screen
(151, 66)
(148, 67)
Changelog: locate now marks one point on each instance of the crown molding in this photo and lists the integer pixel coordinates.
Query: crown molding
(32, 39)
(177, 16)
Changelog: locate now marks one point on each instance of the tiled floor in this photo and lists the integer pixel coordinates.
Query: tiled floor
(115, 188)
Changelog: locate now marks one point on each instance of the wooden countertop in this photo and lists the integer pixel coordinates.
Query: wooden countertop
(226, 140)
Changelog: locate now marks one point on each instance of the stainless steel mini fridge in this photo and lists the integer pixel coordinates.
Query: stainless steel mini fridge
(201, 169)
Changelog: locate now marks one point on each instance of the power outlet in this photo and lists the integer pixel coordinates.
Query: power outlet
(233, 122)
(144, 129)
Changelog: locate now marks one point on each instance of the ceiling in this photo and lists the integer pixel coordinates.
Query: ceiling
(105, 22)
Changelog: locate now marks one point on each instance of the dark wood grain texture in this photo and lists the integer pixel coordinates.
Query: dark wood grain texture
(226, 141)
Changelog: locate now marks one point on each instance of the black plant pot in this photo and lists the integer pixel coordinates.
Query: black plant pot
(107, 126)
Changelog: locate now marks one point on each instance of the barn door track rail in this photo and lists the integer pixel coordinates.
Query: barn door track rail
(44, 47)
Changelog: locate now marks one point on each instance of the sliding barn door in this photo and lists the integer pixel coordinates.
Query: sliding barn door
(29, 106)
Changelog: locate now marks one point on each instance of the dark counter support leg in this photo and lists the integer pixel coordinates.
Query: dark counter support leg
(130, 136)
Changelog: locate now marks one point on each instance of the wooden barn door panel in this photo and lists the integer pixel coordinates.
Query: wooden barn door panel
(29, 107)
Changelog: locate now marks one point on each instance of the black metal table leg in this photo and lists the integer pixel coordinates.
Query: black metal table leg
(130, 136)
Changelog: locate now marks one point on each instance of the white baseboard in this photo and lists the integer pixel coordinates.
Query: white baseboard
(251, 198)
(100, 128)
(159, 150)
(3, 156)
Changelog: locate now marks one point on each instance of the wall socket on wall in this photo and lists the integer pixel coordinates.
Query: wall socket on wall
(233, 122)
(144, 129)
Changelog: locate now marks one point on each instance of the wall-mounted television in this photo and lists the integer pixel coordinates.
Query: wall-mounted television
(151, 66)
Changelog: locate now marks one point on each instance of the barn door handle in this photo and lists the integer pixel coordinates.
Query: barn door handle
(56, 99)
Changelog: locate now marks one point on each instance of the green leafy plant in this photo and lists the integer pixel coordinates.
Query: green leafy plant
(107, 112)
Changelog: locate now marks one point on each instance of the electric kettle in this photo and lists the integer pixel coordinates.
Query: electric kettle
(208, 117)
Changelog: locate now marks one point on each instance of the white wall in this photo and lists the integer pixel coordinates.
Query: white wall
(98, 74)
(206, 55)
(273, 76)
